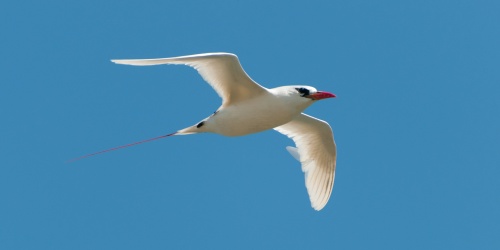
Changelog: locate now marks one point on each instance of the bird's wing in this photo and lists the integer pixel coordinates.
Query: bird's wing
(316, 151)
(222, 71)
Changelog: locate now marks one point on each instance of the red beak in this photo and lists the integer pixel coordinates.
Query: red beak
(321, 95)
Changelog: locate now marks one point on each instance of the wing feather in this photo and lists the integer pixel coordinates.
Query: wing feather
(222, 71)
(317, 154)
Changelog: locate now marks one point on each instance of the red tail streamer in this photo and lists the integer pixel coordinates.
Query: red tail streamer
(119, 147)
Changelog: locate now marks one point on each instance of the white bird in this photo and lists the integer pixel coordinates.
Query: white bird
(248, 108)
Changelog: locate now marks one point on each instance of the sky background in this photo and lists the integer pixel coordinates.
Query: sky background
(416, 123)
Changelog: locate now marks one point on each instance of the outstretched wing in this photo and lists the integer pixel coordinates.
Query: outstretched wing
(222, 71)
(316, 151)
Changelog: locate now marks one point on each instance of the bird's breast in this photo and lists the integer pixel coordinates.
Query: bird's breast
(251, 117)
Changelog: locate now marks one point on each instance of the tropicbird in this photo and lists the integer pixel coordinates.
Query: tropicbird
(248, 107)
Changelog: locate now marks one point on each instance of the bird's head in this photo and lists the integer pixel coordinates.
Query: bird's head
(300, 96)
(311, 93)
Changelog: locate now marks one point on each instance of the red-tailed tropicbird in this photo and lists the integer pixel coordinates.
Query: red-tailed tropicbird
(248, 108)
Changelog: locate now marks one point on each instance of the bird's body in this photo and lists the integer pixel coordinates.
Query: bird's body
(248, 108)
(263, 112)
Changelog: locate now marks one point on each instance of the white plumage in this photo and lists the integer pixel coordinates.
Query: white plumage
(247, 108)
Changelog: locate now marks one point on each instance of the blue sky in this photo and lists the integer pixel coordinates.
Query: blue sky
(416, 123)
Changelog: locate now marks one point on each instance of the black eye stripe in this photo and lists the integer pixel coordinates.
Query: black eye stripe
(303, 91)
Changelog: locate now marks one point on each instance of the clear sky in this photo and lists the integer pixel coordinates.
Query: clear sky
(416, 123)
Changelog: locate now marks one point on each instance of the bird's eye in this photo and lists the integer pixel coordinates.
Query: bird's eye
(303, 91)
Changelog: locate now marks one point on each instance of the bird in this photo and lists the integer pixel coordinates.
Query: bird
(247, 108)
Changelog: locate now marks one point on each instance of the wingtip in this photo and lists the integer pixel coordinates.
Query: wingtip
(127, 62)
(317, 207)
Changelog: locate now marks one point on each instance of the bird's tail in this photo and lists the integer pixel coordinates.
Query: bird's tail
(188, 131)
(127, 145)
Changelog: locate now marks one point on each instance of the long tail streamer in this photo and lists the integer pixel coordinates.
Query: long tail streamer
(120, 147)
